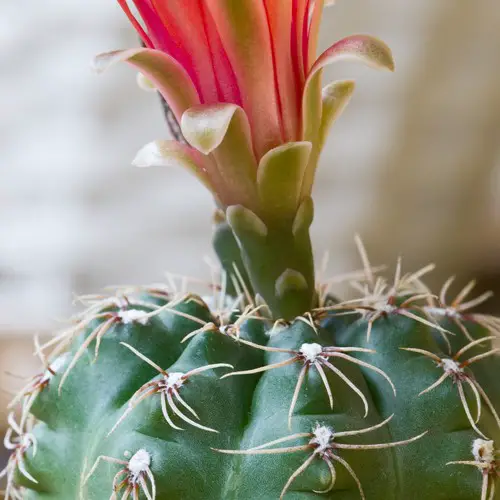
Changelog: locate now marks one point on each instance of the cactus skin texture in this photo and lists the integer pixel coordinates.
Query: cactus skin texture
(103, 398)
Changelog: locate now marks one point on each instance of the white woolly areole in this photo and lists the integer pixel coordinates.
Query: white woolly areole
(311, 351)
(139, 463)
(322, 437)
(133, 315)
(174, 380)
(483, 451)
(450, 365)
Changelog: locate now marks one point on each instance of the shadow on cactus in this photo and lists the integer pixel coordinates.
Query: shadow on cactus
(269, 387)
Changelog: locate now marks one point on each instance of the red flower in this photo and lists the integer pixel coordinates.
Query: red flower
(243, 80)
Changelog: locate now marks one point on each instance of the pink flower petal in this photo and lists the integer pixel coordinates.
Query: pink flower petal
(145, 37)
(305, 33)
(168, 76)
(243, 29)
(279, 16)
(298, 18)
(224, 72)
(184, 24)
(316, 14)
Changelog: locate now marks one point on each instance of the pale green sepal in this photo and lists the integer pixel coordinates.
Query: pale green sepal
(245, 224)
(303, 218)
(311, 108)
(223, 131)
(163, 71)
(163, 153)
(206, 126)
(324, 108)
(279, 179)
(335, 98)
(290, 281)
(363, 48)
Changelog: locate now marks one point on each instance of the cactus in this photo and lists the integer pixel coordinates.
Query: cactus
(269, 387)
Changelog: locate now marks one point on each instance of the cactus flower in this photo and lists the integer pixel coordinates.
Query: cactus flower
(244, 82)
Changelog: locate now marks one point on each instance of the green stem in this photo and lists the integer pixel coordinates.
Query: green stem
(277, 257)
(282, 272)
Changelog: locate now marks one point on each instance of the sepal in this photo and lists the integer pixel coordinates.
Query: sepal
(164, 72)
(279, 179)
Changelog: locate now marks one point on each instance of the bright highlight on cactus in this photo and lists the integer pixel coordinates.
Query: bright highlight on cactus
(253, 391)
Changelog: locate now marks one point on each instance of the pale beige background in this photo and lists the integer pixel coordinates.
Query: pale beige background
(413, 164)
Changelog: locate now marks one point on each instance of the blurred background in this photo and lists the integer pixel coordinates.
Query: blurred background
(413, 165)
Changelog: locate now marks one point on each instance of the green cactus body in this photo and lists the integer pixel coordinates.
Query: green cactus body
(238, 382)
